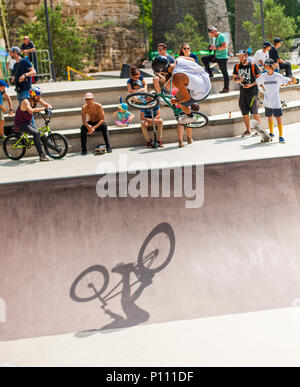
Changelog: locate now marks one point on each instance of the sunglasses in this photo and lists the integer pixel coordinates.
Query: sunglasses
(186, 48)
(161, 48)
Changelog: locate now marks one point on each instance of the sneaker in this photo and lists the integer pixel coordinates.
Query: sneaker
(109, 150)
(271, 135)
(190, 140)
(43, 158)
(246, 134)
(180, 144)
(224, 91)
(186, 119)
(281, 140)
(149, 144)
(160, 144)
(2, 137)
(83, 152)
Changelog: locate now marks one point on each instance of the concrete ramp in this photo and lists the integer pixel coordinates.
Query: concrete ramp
(72, 262)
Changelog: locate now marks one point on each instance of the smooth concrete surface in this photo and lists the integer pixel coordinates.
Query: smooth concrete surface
(210, 151)
(263, 339)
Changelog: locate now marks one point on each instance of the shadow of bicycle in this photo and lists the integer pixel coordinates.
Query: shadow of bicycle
(155, 255)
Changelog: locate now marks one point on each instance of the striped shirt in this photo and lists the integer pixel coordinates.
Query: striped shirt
(22, 118)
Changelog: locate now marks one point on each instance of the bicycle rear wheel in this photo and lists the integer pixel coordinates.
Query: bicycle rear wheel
(142, 100)
(56, 146)
(13, 151)
(202, 120)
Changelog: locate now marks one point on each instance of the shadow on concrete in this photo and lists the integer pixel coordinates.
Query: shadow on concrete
(155, 255)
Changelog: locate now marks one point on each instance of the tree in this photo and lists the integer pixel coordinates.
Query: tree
(145, 18)
(186, 32)
(276, 24)
(71, 46)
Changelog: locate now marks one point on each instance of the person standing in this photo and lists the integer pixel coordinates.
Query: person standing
(261, 55)
(22, 73)
(221, 56)
(273, 54)
(271, 82)
(93, 121)
(3, 94)
(29, 50)
(245, 74)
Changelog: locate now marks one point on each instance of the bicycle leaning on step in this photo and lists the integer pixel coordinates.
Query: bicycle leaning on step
(56, 146)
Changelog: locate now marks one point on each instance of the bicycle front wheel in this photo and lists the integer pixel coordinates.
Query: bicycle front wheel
(202, 120)
(90, 284)
(142, 100)
(56, 146)
(13, 147)
(158, 248)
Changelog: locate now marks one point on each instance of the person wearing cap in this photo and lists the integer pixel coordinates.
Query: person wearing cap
(124, 117)
(273, 54)
(245, 74)
(220, 57)
(261, 55)
(3, 94)
(270, 81)
(23, 72)
(93, 120)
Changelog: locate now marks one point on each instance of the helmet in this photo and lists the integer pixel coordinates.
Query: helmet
(269, 62)
(35, 92)
(160, 63)
(137, 83)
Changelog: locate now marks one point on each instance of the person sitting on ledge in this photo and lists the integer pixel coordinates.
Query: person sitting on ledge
(93, 121)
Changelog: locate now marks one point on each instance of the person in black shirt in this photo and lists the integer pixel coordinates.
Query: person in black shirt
(245, 73)
(29, 50)
(273, 54)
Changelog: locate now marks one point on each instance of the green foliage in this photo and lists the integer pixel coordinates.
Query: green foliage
(276, 24)
(230, 4)
(71, 46)
(146, 18)
(186, 32)
(292, 8)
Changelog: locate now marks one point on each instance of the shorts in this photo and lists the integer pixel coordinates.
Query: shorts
(192, 101)
(248, 104)
(1, 115)
(273, 112)
(124, 122)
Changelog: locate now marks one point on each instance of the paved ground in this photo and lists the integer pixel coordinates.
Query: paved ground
(205, 151)
(257, 339)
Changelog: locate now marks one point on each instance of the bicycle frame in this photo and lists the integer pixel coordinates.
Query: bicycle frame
(25, 136)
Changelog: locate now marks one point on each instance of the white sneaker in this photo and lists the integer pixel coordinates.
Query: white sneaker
(185, 119)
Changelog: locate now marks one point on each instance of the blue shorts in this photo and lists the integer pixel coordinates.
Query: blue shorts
(273, 112)
(192, 101)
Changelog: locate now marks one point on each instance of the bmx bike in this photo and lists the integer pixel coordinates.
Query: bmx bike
(56, 146)
(142, 100)
(154, 255)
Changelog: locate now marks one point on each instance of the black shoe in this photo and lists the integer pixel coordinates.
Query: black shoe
(109, 150)
(211, 75)
(224, 91)
(83, 152)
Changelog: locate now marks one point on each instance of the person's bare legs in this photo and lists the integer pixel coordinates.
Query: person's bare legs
(180, 131)
(1, 128)
(156, 84)
(247, 123)
(189, 135)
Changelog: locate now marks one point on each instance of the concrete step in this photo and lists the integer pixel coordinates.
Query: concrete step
(220, 126)
(69, 118)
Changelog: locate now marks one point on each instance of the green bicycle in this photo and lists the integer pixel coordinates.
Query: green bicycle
(56, 145)
(150, 101)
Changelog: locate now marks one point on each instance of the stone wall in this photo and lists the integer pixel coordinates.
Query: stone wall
(112, 22)
(243, 11)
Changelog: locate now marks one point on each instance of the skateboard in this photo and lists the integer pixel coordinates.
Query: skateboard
(260, 130)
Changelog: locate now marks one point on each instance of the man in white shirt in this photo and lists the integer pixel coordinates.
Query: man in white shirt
(261, 55)
(271, 83)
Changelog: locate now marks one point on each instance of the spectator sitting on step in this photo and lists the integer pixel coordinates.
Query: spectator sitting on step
(146, 121)
(159, 79)
(3, 93)
(273, 54)
(93, 120)
(186, 51)
(135, 75)
(124, 117)
(261, 55)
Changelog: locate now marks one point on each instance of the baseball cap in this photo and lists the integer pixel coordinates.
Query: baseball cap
(211, 28)
(241, 52)
(3, 83)
(15, 49)
(267, 44)
(89, 96)
(277, 40)
(269, 62)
